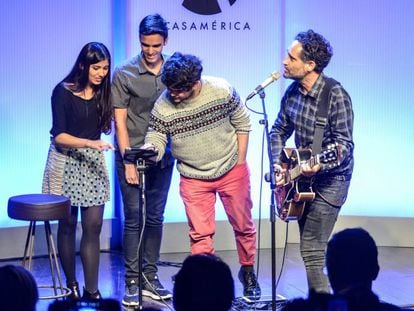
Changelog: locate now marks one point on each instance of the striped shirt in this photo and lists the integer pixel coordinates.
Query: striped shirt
(298, 113)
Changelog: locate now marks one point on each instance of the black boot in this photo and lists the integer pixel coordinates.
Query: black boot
(75, 292)
(91, 296)
(251, 288)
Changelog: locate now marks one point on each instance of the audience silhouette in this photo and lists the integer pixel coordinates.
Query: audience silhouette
(18, 289)
(352, 265)
(204, 283)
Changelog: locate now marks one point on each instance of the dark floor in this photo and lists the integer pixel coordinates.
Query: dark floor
(395, 283)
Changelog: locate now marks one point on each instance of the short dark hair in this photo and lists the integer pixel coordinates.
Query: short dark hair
(203, 283)
(351, 258)
(315, 48)
(181, 71)
(153, 24)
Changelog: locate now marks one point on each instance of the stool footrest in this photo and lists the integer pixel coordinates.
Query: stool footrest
(64, 292)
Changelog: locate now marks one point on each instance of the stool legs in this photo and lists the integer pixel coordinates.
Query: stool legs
(53, 260)
(29, 246)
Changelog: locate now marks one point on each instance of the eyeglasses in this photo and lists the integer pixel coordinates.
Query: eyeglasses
(179, 91)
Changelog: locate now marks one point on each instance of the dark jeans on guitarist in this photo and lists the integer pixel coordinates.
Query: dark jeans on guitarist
(316, 226)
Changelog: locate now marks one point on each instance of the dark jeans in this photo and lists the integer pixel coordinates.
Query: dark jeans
(316, 226)
(158, 179)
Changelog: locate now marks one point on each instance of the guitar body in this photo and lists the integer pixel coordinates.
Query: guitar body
(291, 198)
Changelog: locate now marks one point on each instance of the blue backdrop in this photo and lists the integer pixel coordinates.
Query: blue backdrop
(243, 43)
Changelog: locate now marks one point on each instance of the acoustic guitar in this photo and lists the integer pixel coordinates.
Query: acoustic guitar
(297, 190)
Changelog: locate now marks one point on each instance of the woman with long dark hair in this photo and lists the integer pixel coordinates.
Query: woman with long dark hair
(76, 167)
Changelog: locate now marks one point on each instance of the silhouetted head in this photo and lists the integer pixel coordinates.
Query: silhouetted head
(204, 283)
(351, 259)
(18, 289)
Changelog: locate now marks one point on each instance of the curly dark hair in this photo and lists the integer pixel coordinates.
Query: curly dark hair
(181, 71)
(315, 48)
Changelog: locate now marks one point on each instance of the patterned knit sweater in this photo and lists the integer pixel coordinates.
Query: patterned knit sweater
(203, 130)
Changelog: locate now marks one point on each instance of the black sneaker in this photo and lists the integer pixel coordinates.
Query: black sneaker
(251, 288)
(130, 298)
(154, 289)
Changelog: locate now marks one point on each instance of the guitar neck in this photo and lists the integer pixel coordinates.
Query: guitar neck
(330, 157)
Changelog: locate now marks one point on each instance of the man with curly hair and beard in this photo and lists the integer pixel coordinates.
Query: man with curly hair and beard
(208, 126)
(311, 90)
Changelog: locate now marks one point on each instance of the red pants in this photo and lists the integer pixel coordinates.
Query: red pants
(199, 198)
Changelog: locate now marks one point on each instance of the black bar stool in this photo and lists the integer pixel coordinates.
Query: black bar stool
(41, 207)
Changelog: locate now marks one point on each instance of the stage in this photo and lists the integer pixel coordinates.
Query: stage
(395, 283)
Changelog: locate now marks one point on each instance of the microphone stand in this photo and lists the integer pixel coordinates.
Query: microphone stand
(143, 158)
(141, 167)
(272, 181)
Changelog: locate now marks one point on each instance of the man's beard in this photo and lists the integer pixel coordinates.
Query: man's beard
(172, 100)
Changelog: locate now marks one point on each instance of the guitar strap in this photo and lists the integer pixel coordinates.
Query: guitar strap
(322, 114)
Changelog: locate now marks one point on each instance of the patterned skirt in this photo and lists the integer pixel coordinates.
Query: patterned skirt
(79, 174)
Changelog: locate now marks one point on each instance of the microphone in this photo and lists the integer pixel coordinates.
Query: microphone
(273, 77)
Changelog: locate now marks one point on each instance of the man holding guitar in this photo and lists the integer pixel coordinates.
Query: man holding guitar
(312, 181)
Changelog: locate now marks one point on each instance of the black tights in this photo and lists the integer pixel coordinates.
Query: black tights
(91, 218)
